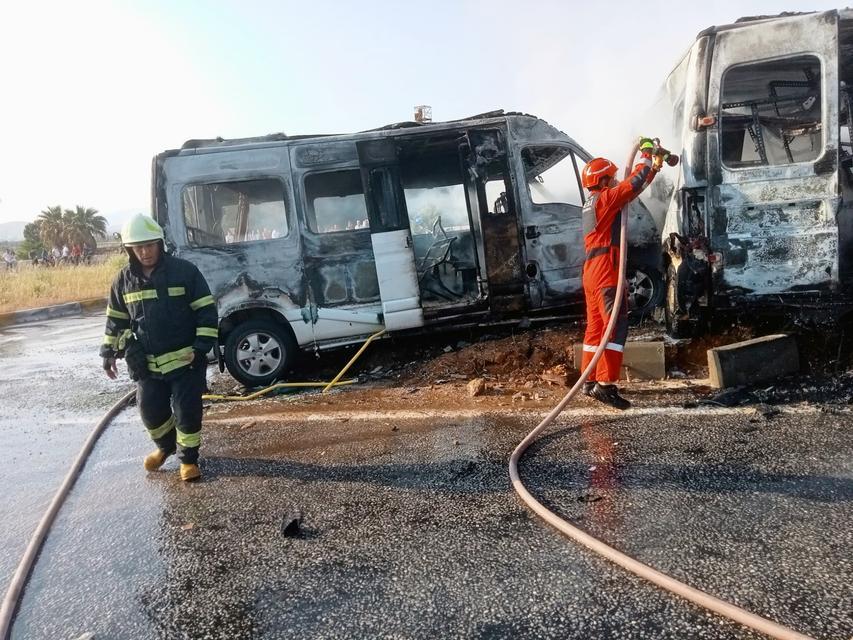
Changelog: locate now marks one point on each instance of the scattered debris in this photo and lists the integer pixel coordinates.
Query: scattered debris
(558, 375)
(448, 349)
(248, 425)
(291, 524)
(188, 526)
(589, 497)
(731, 397)
(764, 411)
(476, 387)
(86, 636)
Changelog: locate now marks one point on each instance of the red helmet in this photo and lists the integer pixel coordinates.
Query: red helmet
(595, 170)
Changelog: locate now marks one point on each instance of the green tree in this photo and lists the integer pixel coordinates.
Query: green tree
(32, 240)
(51, 227)
(83, 224)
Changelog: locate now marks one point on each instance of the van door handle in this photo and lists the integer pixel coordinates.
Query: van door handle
(531, 231)
(408, 241)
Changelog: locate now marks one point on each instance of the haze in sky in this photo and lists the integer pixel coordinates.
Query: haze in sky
(92, 90)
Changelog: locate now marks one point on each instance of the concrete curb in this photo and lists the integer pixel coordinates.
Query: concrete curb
(49, 313)
(753, 361)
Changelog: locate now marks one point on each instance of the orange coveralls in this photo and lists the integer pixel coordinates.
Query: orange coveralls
(602, 227)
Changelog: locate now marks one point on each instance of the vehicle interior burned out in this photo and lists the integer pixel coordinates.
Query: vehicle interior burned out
(761, 214)
(317, 241)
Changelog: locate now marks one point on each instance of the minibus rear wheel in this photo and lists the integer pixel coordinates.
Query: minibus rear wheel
(258, 352)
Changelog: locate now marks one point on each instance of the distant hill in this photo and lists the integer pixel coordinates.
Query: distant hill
(12, 231)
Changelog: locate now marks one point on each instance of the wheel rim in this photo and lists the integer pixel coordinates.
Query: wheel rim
(641, 290)
(259, 354)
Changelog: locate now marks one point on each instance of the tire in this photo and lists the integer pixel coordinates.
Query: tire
(258, 352)
(645, 291)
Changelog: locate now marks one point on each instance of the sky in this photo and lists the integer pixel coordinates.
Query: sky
(92, 90)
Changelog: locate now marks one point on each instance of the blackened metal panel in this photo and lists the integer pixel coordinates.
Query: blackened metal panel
(487, 155)
(340, 267)
(264, 273)
(552, 233)
(775, 225)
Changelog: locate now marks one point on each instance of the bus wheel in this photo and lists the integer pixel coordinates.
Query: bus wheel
(258, 352)
(645, 291)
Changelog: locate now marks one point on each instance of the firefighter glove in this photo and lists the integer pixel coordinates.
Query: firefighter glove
(137, 363)
(647, 145)
(199, 359)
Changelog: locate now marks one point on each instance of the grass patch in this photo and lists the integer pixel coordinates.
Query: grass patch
(30, 287)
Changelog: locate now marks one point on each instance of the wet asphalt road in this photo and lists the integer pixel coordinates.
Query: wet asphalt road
(413, 532)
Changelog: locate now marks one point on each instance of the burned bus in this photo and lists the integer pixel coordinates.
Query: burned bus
(311, 242)
(761, 213)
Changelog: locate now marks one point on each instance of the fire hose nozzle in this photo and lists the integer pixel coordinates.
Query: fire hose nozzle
(670, 158)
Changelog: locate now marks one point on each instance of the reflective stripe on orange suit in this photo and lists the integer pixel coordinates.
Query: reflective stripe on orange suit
(602, 225)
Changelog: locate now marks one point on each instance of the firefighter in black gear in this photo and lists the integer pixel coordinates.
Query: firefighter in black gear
(162, 319)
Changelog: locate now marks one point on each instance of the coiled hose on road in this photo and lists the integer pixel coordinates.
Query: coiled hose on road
(696, 596)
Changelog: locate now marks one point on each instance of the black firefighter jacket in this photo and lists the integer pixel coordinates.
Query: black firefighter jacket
(171, 314)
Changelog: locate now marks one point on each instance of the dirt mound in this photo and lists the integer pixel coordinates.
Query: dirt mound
(515, 358)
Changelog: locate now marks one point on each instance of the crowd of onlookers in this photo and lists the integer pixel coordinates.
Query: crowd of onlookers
(77, 253)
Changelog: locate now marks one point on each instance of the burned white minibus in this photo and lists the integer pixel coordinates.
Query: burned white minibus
(761, 212)
(318, 241)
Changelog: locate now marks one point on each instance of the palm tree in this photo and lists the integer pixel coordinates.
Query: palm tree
(51, 227)
(83, 224)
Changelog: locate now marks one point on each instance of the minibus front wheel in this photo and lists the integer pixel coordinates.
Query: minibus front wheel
(258, 352)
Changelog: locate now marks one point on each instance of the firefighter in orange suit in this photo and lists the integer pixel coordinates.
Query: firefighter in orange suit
(602, 226)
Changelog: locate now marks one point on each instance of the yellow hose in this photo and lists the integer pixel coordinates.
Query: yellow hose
(352, 360)
(279, 385)
(336, 382)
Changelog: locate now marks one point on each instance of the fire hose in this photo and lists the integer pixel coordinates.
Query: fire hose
(696, 596)
(19, 579)
(11, 599)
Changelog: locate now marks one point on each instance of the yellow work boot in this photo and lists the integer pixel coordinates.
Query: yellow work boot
(190, 472)
(155, 460)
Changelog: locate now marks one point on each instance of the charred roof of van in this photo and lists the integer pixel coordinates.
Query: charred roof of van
(746, 20)
(281, 137)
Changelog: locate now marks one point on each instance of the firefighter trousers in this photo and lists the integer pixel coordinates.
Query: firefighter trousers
(171, 411)
(599, 306)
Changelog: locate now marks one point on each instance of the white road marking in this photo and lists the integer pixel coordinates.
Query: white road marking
(289, 415)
